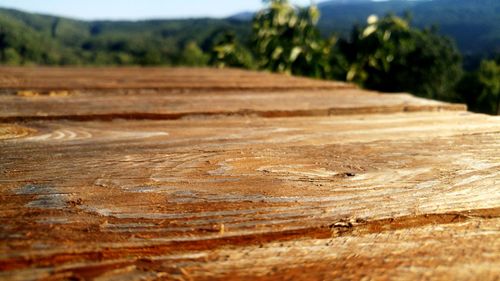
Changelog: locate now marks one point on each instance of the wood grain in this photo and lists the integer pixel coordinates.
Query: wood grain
(164, 105)
(387, 195)
(164, 93)
(46, 79)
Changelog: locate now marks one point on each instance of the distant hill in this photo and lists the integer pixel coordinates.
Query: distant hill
(242, 16)
(474, 24)
(56, 40)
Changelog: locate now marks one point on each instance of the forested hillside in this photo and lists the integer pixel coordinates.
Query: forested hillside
(473, 24)
(31, 38)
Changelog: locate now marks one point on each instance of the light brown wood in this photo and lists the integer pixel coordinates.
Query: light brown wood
(164, 93)
(391, 195)
(46, 79)
(162, 105)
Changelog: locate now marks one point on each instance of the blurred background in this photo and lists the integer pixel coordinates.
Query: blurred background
(441, 49)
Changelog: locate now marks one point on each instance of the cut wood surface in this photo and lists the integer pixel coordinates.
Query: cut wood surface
(385, 195)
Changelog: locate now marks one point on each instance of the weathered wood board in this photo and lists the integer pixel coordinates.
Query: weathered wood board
(163, 93)
(387, 195)
(161, 105)
(48, 79)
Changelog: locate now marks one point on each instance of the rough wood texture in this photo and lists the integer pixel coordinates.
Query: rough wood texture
(161, 105)
(387, 195)
(133, 93)
(175, 79)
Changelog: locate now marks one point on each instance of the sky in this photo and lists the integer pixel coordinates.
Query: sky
(137, 9)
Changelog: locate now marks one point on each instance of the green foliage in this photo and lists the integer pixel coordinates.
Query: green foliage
(489, 77)
(389, 55)
(228, 52)
(192, 55)
(473, 24)
(11, 57)
(286, 40)
(36, 39)
(20, 45)
(481, 88)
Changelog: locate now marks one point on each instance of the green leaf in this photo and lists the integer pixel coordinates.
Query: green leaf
(295, 53)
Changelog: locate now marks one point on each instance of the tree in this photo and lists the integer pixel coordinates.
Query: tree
(489, 79)
(480, 89)
(285, 39)
(228, 52)
(389, 55)
(11, 57)
(192, 55)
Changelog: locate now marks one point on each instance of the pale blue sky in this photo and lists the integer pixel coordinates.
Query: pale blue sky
(137, 9)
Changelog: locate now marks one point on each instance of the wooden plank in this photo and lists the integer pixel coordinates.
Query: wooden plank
(46, 79)
(167, 93)
(165, 105)
(408, 195)
(345, 193)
